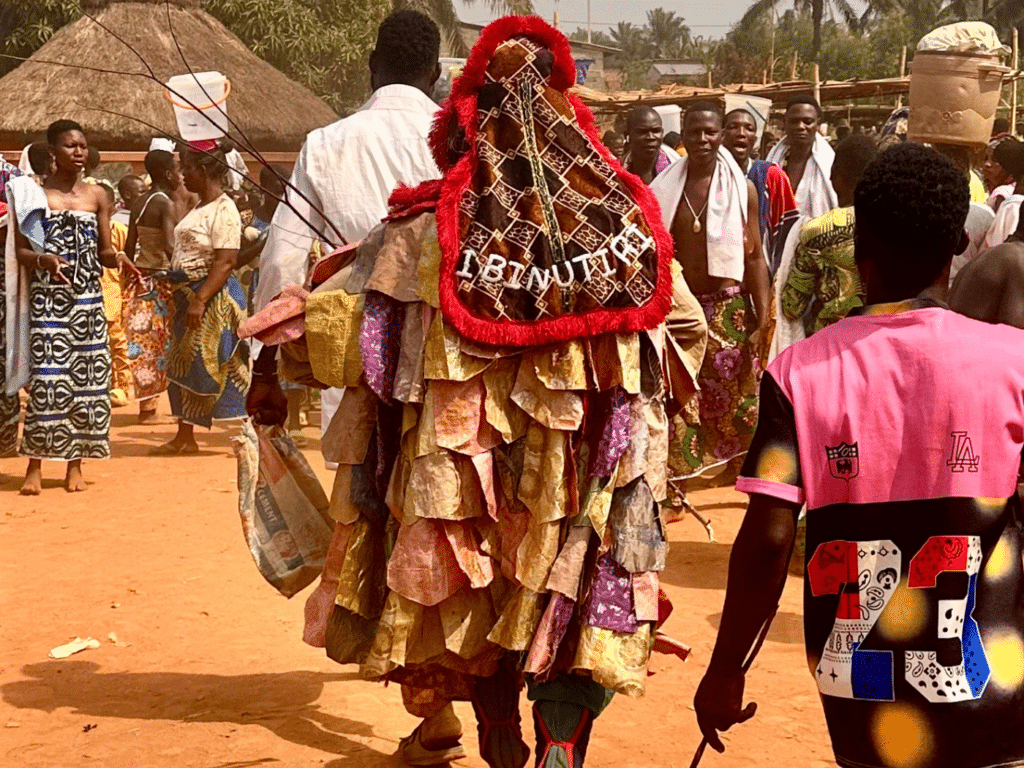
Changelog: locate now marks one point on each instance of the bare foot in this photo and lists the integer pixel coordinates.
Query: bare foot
(153, 418)
(33, 484)
(73, 481)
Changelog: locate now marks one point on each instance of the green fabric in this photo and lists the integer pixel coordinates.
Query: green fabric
(823, 272)
(570, 689)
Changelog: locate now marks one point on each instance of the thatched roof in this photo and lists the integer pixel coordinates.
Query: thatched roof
(273, 111)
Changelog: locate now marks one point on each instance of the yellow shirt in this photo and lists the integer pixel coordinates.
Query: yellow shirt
(118, 235)
(978, 192)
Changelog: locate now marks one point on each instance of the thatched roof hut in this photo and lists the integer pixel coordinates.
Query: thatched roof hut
(273, 111)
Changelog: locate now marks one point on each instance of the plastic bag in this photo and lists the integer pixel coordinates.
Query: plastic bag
(964, 37)
(283, 508)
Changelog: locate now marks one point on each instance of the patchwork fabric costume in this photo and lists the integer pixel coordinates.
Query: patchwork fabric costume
(503, 435)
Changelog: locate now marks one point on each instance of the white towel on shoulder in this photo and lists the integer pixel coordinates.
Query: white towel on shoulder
(727, 211)
(815, 196)
(27, 206)
(787, 332)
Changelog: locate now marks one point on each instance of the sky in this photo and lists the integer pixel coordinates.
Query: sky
(708, 19)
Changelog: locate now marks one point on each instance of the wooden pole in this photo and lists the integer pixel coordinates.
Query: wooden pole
(903, 73)
(1013, 86)
(817, 83)
(589, 40)
(792, 72)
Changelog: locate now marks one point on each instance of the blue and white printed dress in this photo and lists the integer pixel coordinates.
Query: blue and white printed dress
(68, 413)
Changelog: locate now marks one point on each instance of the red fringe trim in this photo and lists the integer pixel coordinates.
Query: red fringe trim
(406, 202)
(461, 106)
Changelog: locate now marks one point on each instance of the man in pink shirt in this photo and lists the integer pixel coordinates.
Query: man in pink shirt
(901, 429)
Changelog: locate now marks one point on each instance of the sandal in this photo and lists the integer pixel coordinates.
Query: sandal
(170, 449)
(414, 753)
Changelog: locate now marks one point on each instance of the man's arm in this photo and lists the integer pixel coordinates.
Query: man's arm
(285, 257)
(758, 568)
(755, 268)
(168, 221)
(106, 252)
(132, 240)
(991, 288)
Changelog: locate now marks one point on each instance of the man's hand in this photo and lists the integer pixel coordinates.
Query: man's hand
(194, 313)
(55, 266)
(719, 705)
(754, 339)
(126, 264)
(266, 402)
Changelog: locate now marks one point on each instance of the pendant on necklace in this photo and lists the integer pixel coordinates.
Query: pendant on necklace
(696, 227)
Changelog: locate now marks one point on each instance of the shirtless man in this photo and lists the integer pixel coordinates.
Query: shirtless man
(711, 209)
(806, 157)
(991, 287)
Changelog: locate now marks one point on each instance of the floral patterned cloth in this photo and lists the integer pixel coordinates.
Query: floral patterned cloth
(208, 369)
(824, 272)
(146, 316)
(718, 426)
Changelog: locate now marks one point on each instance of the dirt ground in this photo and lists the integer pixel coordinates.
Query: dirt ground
(209, 670)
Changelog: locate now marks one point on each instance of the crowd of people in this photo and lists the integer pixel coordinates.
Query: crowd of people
(87, 326)
(543, 336)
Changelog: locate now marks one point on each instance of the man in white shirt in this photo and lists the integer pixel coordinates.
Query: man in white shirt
(347, 171)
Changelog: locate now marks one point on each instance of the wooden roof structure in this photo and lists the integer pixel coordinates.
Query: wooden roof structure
(681, 95)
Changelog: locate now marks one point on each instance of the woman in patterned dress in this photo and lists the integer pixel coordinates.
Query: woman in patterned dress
(208, 369)
(68, 413)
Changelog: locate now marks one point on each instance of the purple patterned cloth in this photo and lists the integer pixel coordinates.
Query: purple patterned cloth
(379, 338)
(610, 602)
(614, 435)
(7, 172)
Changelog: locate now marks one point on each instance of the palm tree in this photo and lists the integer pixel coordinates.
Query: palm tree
(761, 8)
(629, 39)
(667, 34)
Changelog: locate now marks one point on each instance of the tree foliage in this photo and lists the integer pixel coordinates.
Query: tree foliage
(664, 36)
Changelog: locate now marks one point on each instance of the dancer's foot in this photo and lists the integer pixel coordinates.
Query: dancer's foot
(441, 731)
(73, 480)
(435, 741)
(33, 484)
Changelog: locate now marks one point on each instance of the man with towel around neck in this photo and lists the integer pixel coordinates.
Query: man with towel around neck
(711, 210)
(806, 157)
